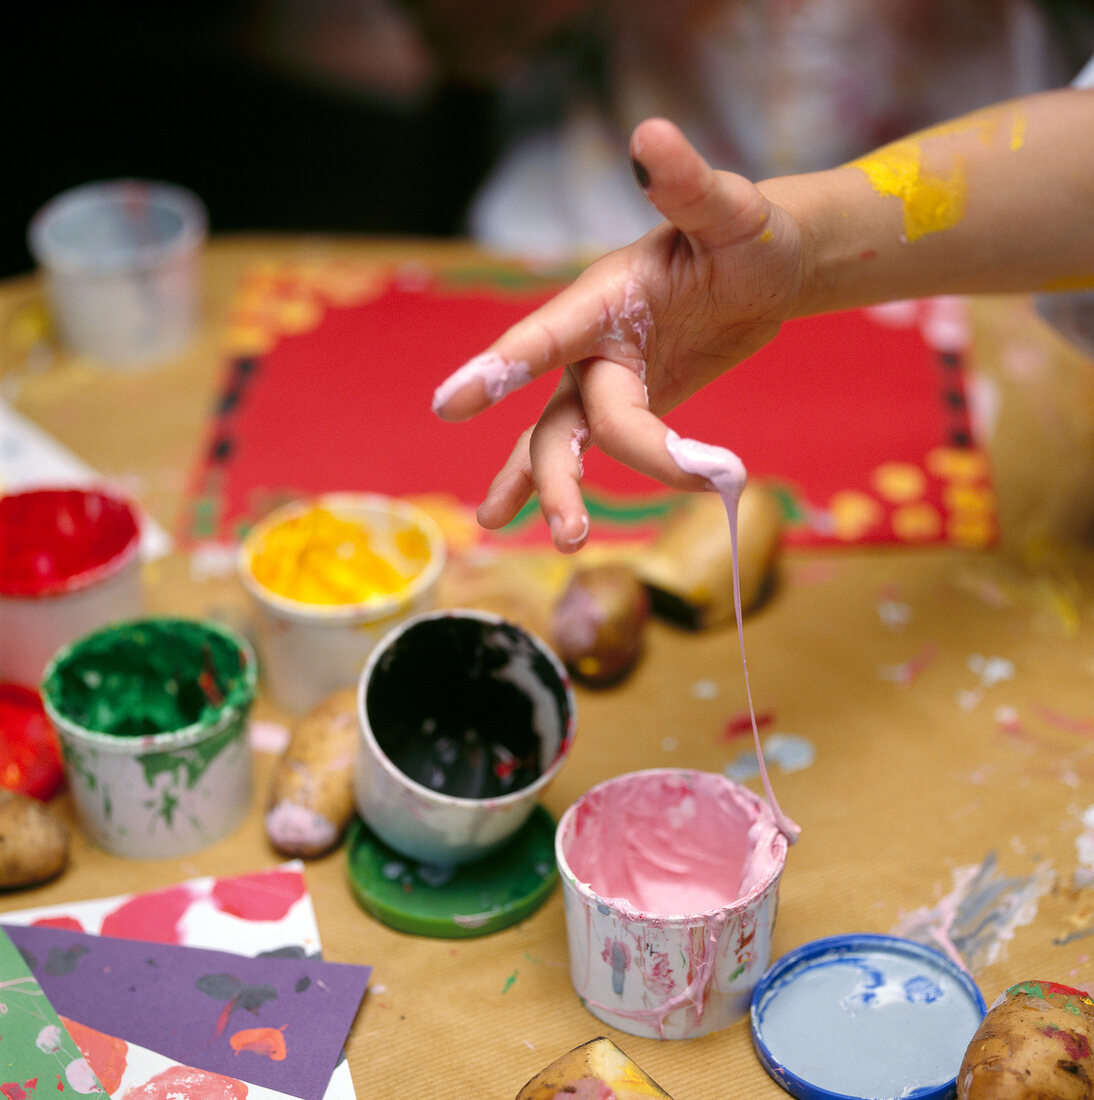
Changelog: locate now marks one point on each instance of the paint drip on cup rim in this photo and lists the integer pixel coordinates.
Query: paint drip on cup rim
(59, 540)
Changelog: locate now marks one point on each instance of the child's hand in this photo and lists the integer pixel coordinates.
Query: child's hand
(639, 331)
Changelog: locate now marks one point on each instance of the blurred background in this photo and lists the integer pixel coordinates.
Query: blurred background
(506, 121)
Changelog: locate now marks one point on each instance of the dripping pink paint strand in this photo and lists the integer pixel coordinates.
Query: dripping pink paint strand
(725, 473)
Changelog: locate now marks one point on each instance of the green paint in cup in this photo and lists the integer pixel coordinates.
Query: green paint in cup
(152, 716)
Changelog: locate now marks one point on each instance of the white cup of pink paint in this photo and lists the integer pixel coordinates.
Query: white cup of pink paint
(670, 880)
(465, 719)
(69, 563)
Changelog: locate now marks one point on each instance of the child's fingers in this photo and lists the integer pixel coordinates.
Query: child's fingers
(510, 490)
(623, 427)
(556, 448)
(712, 208)
(601, 306)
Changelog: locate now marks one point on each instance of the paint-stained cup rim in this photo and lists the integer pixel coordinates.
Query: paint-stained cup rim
(61, 252)
(355, 506)
(233, 709)
(123, 552)
(750, 898)
(439, 798)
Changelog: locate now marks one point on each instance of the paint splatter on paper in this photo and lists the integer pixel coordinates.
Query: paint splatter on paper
(265, 913)
(189, 1003)
(133, 1072)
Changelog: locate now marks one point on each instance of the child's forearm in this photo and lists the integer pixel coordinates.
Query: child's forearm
(1000, 200)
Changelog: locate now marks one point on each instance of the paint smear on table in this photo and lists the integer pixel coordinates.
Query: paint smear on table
(981, 913)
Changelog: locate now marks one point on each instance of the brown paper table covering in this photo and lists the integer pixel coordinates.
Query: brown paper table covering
(948, 695)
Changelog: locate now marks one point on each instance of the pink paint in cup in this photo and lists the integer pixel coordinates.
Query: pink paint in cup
(69, 563)
(670, 880)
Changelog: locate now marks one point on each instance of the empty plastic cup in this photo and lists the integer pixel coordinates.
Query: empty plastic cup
(120, 264)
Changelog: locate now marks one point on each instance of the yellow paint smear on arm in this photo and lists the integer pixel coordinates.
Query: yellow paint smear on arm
(932, 202)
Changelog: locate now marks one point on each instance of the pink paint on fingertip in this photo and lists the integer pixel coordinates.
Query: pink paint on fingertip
(718, 466)
(499, 377)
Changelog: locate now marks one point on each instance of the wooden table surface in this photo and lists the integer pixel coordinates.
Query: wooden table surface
(932, 757)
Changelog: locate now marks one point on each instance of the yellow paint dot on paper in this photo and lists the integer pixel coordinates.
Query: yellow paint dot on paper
(248, 340)
(957, 464)
(931, 202)
(969, 500)
(853, 514)
(297, 315)
(916, 522)
(971, 531)
(899, 482)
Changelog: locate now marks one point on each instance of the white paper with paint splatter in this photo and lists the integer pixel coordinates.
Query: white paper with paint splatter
(261, 913)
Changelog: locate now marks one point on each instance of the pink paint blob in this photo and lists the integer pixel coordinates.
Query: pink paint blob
(54, 541)
(263, 897)
(71, 924)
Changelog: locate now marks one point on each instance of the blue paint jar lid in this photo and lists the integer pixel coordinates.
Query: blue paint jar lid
(865, 1016)
(454, 902)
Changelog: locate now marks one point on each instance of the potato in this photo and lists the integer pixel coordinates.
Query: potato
(1035, 1043)
(311, 795)
(598, 623)
(689, 567)
(595, 1069)
(33, 841)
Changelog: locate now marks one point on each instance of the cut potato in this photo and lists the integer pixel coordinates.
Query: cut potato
(311, 796)
(689, 568)
(595, 1069)
(1036, 1043)
(33, 842)
(599, 621)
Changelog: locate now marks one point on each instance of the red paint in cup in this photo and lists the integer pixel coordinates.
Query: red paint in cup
(58, 540)
(69, 563)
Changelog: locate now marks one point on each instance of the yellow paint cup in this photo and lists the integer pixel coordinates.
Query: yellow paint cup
(329, 577)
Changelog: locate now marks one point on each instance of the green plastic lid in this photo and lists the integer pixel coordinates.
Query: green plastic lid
(456, 902)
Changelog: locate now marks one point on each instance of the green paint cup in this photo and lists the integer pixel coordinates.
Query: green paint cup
(152, 720)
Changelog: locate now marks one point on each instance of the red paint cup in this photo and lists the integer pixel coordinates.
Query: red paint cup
(69, 563)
